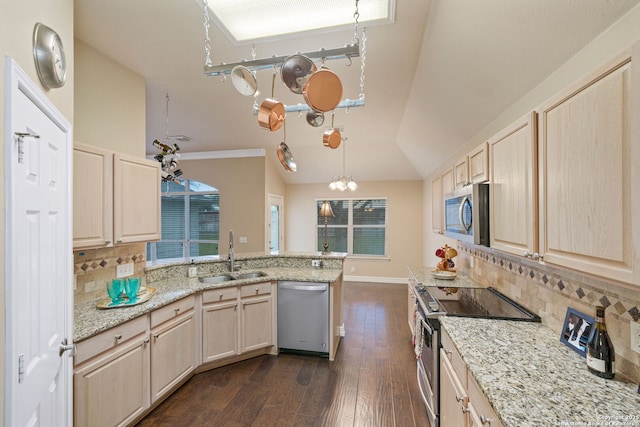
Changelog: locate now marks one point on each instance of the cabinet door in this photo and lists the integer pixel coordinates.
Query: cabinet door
(92, 197)
(453, 397)
(219, 331)
(447, 182)
(256, 323)
(512, 193)
(436, 205)
(586, 169)
(172, 354)
(113, 390)
(136, 199)
(461, 173)
(479, 164)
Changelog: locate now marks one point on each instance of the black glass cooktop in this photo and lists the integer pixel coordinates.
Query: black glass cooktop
(485, 303)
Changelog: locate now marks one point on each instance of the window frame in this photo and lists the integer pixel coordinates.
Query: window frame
(186, 242)
(350, 226)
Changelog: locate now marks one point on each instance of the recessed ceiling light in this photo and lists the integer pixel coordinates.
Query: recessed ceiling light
(246, 21)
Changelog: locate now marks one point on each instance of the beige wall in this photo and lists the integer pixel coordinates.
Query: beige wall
(241, 183)
(17, 19)
(404, 222)
(109, 103)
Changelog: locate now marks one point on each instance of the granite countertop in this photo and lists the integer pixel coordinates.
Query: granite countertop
(532, 379)
(90, 320)
(422, 276)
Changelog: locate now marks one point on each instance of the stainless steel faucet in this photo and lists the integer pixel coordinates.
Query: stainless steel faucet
(231, 258)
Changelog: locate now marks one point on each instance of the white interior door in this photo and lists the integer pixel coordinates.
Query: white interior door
(38, 251)
(276, 213)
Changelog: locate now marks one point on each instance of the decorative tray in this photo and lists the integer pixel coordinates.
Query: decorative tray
(444, 274)
(144, 295)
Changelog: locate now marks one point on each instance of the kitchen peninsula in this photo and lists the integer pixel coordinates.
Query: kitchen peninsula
(188, 326)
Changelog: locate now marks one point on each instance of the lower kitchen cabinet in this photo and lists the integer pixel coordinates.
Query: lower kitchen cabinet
(219, 324)
(172, 346)
(462, 403)
(111, 388)
(256, 322)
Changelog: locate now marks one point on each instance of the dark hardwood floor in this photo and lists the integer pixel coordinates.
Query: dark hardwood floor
(371, 383)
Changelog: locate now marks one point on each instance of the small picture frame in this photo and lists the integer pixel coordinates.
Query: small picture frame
(577, 330)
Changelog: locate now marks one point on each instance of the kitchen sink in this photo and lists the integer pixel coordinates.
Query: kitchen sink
(250, 275)
(217, 279)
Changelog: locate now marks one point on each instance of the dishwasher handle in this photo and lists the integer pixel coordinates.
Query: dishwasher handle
(301, 287)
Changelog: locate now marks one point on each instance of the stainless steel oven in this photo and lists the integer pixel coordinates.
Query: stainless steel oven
(428, 370)
(435, 302)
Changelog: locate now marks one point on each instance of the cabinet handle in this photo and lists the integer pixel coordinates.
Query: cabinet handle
(465, 409)
(106, 242)
(147, 340)
(257, 291)
(118, 337)
(155, 337)
(485, 420)
(235, 307)
(221, 295)
(527, 254)
(118, 241)
(176, 310)
(536, 256)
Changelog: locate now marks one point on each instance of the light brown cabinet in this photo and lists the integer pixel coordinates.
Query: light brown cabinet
(462, 403)
(461, 173)
(220, 330)
(512, 192)
(256, 323)
(116, 198)
(173, 345)
(587, 172)
(478, 160)
(103, 364)
(447, 182)
(437, 202)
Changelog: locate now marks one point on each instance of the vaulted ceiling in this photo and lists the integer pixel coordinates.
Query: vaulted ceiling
(432, 79)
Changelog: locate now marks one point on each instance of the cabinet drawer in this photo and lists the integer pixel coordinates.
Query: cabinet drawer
(255, 289)
(482, 406)
(217, 295)
(172, 310)
(454, 357)
(111, 338)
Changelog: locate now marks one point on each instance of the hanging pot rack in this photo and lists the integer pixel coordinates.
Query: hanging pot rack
(348, 52)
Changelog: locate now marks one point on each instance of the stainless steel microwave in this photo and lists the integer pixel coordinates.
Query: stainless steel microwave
(466, 214)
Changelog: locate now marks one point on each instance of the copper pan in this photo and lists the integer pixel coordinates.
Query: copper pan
(323, 90)
(332, 137)
(271, 112)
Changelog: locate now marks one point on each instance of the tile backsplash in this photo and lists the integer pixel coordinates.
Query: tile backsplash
(93, 268)
(549, 291)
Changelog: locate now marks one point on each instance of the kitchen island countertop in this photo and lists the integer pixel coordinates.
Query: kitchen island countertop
(422, 276)
(90, 320)
(531, 379)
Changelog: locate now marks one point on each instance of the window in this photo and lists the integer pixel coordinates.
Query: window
(190, 221)
(358, 227)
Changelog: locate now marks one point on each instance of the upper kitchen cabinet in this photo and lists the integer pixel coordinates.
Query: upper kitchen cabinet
(116, 198)
(473, 168)
(92, 197)
(586, 178)
(447, 182)
(136, 199)
(461, 173)
(512, 194)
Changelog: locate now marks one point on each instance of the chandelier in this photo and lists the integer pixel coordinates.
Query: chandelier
(344, 181)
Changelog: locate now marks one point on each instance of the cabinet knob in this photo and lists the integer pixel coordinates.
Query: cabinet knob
(536, 256)
(176, 310)
(221, 295)
(465, 409)
(458, 398)
(118, 337)
(485, 420)
(527, 254)
(257, 291)
(146, 340)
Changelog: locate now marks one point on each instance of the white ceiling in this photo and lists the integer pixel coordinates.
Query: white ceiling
(433, 79)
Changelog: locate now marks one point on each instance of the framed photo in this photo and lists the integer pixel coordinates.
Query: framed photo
(576, 331)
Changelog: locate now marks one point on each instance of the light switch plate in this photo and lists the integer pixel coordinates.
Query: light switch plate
(242, 239)
(124, 270)
(635, 336)
(193, 271)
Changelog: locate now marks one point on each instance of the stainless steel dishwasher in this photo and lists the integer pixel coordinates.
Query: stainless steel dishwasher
(303, 318)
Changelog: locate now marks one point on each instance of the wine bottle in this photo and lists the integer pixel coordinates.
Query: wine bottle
(600, 353)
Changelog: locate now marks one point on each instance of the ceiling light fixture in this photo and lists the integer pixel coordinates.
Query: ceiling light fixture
(344, 181)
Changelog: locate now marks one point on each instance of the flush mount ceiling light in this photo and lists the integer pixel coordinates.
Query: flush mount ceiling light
(246, 21)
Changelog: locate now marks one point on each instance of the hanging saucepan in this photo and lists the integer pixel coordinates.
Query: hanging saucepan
(332, 137)
(295, 72)
(244, 80)
(315, 118)
(271, 112)
(284, 154)
(323, 90)
(286, 158)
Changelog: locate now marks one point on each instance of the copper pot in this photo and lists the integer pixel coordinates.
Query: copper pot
(331, 138)
(271, 114)
(323, 90)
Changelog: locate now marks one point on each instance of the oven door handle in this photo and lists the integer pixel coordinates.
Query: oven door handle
(465, 201)
(426, 325)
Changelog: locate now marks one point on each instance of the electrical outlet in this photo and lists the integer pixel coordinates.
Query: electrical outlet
(193, 271)
(124, 270)
(242, 239)
(353, 269)
(316, 263)
(635, 336)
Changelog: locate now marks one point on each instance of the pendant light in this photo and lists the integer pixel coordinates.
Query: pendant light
(344, 181)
